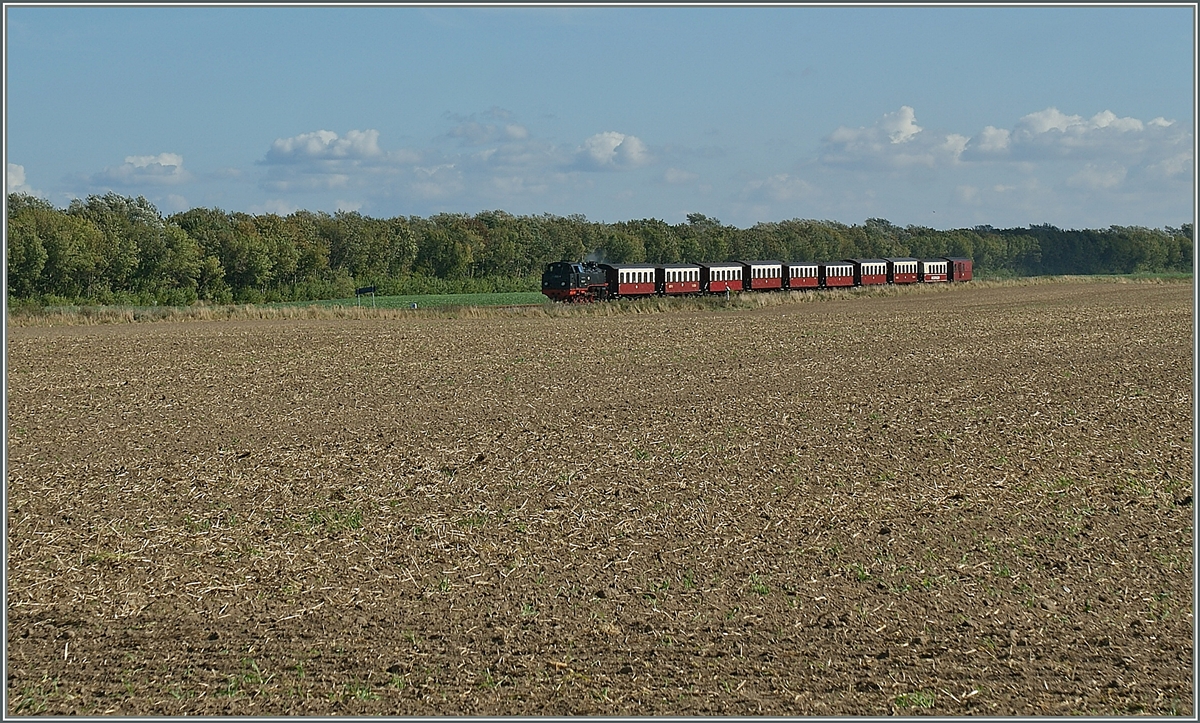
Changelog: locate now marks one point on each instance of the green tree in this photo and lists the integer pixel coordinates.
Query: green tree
(128, 225)
(622, 247)
(657, 237)
(25, 253)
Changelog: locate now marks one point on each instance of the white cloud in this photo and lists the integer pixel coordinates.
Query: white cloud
(900, 126)
(1050, 135)
(162, 159)
(1051, 132)
(954, 144)
(322, 161)
(993, 140)
(1179, 164)
(175, 202)
(1108, 119)
(611, 150)
(162, 169)
(493, 157)
(1048, 120)
(325, 145)
(348, 205)
(15, 178)
(894, 141)
(1052, 119)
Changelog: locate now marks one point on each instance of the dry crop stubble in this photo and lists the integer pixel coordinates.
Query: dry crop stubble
(974, 501)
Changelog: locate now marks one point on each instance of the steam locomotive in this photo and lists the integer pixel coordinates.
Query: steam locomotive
(584, 281)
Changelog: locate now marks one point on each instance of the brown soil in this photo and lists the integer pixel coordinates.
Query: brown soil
(977, 501)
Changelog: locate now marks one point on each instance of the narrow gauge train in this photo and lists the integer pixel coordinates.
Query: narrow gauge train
(570, 281)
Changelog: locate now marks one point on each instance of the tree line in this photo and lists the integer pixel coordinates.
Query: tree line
(113, 249)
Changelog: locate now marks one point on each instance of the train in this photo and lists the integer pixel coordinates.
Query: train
(588, 281)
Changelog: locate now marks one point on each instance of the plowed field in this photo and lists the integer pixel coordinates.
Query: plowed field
(975, 501)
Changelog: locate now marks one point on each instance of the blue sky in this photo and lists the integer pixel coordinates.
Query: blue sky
(939, 116)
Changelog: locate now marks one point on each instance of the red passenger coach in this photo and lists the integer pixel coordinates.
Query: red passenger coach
(719, 278)
(762, 275)
(673, 279)
(902, 270)
(836, 275)
(801, 276)
(629, 279)
(869, 272)
(960, 268)
(933, 270)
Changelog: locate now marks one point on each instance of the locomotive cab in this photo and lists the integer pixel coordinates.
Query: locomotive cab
(574, 281)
